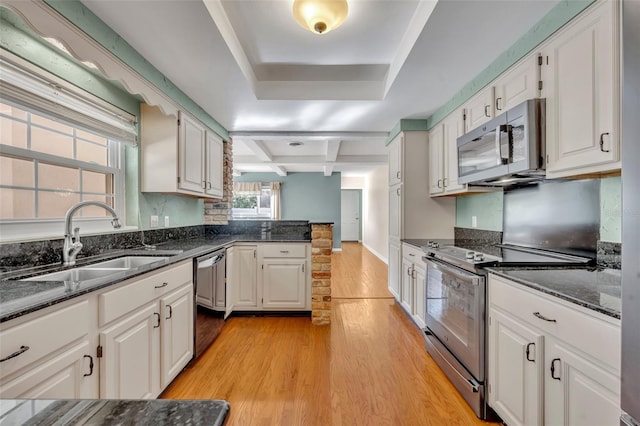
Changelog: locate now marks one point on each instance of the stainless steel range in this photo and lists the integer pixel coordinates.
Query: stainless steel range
(455, 308)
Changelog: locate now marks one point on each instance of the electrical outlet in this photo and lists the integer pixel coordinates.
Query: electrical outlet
(474, 221)
(154, 221)
(166, 221)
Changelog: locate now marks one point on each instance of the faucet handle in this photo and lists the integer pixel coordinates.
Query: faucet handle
(76, 234)
(116, 223)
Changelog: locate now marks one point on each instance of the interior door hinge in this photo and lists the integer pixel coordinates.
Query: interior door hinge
(539, 59)
(540, 85)
(178, 122)
(178, 179)
(99, 352)
(262, 266)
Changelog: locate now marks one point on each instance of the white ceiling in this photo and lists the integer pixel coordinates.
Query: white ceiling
(270, 82)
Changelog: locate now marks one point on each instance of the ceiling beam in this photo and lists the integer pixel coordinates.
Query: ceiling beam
(263, 155)
(321, 136)
(313, 159)
(333, 146)
(328, 170)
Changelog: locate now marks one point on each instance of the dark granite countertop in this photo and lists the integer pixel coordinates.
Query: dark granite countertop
(596, 289)
(114, 412)
(19, 298)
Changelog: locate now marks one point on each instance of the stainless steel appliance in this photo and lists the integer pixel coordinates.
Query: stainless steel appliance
(455, 308)
(210, 298)
(509, 148)
(630, 372)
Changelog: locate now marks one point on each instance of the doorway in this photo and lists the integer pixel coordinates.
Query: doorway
(351, 214)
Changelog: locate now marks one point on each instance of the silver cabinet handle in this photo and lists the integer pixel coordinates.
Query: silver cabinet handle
(529, 351)
(161, 285)
(398, 174)
(542, 317)
(486, 110)
(19, 352)
(157, 315)
(444, 183)
(439, 180)
(409, 271)
(398, 191)
(412, 255)
(498, 101)
(204, 184)
(602, 142)
(553, 369)
(90, 366)
(284, 251)
(170, 312)
(208, 185)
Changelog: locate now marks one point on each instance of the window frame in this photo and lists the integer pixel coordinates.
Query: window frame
(234, 215)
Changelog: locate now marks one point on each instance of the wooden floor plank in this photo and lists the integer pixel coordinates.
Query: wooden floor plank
(369, 367)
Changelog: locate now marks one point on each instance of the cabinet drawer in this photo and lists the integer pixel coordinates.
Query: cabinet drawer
(136, 292)
(413, 253)
(43, 336)
(284, 250)
(593, 334)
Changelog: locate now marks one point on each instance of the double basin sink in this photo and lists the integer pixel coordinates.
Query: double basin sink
(99, 270)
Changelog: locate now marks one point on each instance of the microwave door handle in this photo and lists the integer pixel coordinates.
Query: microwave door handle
(503, 128)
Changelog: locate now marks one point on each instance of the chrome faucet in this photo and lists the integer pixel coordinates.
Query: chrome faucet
(72, 244)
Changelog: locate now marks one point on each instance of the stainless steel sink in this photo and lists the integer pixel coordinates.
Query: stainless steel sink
(98, 270)
(127, 262)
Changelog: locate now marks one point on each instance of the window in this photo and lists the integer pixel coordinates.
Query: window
(58, 146)
(252, 204)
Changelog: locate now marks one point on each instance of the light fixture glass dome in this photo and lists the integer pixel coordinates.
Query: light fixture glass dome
(320, 16)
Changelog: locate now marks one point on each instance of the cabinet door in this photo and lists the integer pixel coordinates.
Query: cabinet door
(578, 391)
(64, 376)
(284, 284)
(191, 142)
(515, 370)
(582, 91)
(177, 333)
(436, 160)
(406, 281)
(479, 109)
(130, 364)
(395, 160)
(214, 165)
(453, 128)
(518, 84)
(395, 265)
(419, 294)
(395, 212)
(245, 288)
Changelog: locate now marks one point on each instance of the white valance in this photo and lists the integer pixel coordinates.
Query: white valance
(247, 188)
(23, 89)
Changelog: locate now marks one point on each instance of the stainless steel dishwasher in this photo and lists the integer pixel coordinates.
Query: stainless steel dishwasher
(210, 290)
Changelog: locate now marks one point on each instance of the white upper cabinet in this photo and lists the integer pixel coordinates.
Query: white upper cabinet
(179, 155)
(214, 165)
(191, 143)
(395, 160)
(436, 159)
(518, 84)
(581, 84)
(479, 109)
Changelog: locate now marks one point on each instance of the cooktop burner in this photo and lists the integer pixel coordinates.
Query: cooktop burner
(499, 255)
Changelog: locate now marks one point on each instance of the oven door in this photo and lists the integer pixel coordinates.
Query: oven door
(455, 303)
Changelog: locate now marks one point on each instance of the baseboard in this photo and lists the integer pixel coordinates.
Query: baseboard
(378, 255)
(337, 249)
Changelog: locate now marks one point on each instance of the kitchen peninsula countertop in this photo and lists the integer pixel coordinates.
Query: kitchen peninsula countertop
(114, 412)
(19, 298)
(593, 288)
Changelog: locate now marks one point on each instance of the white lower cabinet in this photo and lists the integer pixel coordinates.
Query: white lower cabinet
(395, 269)
(177, 333)
(551, 362)
(269, 276)
(413, 289)
(130, 362)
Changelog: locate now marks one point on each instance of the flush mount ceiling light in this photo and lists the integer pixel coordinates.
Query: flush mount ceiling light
(320, 16)
(295, 143)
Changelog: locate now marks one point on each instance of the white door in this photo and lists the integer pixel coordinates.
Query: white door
(350, 215)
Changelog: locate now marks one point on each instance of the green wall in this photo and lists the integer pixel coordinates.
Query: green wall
(306, 196)
(16, 38)
(488, 209)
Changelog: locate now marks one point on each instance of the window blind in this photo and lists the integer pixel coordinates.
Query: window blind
(21, 89)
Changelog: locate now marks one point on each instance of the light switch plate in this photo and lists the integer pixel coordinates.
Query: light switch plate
(166, 221)
(474, 221)
(154, 221)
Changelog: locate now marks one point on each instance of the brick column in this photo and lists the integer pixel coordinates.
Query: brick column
(321, 246)
(218, 212)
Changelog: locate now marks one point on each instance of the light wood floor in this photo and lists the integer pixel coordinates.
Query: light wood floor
(369, 367)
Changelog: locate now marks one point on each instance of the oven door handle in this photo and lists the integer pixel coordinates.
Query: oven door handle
(447, 269)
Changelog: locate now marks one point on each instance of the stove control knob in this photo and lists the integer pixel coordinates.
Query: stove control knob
(429, 243)
(469, 255)
(478, 256)
(435, 245)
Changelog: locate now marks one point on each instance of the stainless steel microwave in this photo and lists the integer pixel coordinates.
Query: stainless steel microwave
(508, 149)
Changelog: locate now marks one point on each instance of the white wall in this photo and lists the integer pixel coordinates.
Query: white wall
(375, 209)
(352, 182)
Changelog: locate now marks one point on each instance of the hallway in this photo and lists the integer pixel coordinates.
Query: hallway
(369, 367)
